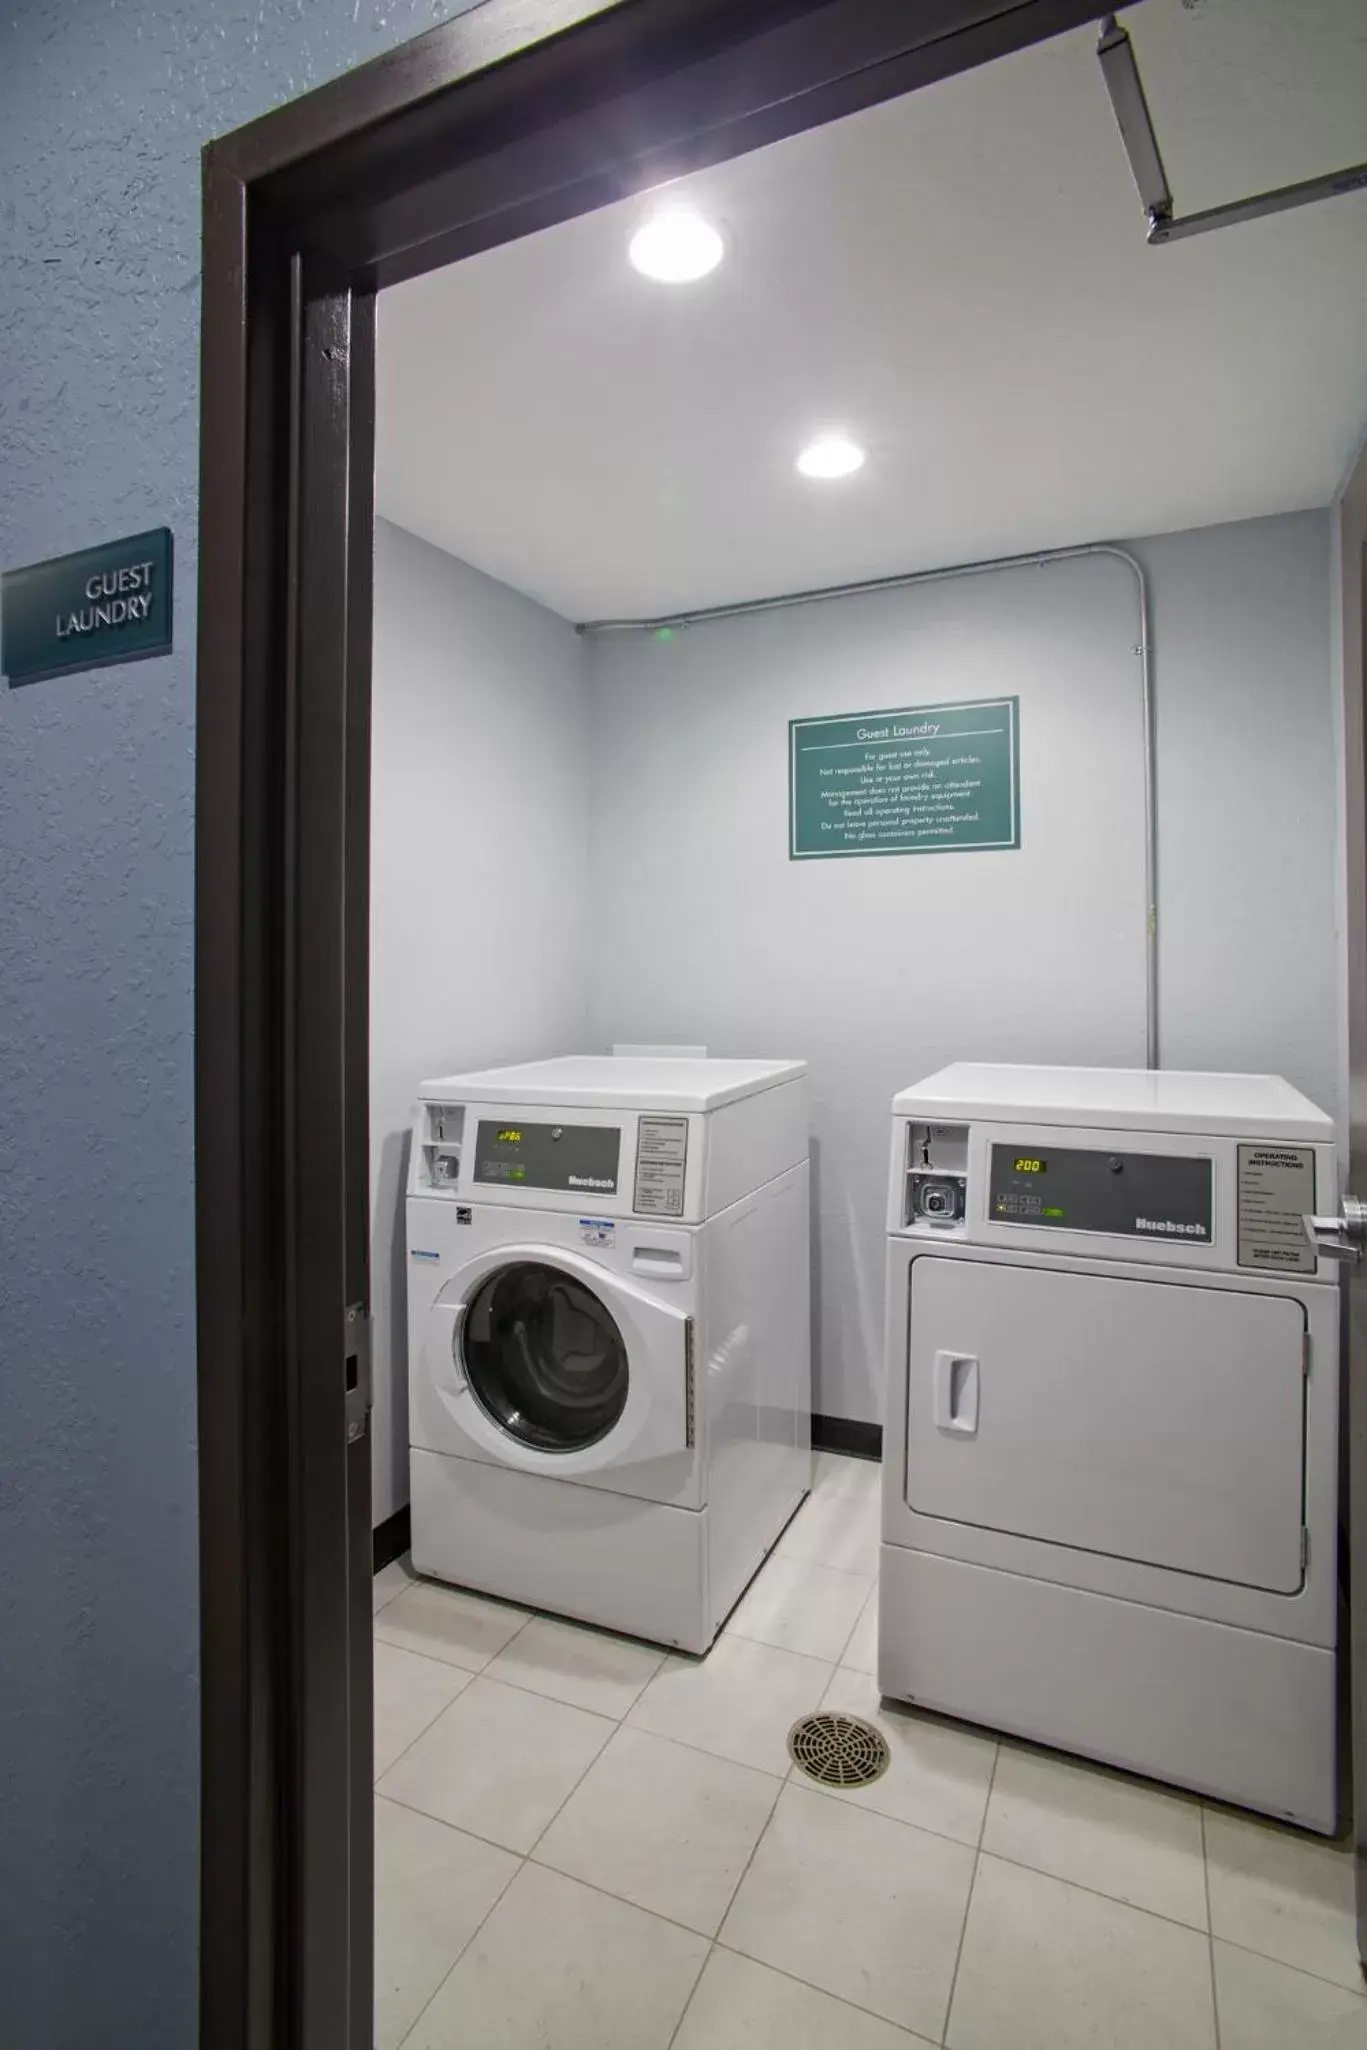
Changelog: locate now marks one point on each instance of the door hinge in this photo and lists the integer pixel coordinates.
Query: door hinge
(359, 1371)
(690, 1387)
(1305, 1548)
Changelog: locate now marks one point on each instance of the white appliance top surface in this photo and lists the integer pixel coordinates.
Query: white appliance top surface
(1152, 1100)
(618, 1082)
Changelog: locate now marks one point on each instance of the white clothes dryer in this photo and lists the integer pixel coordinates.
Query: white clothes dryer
(1111, 1456)
(609, 1333)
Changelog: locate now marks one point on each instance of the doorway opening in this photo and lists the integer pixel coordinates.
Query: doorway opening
(535, 789)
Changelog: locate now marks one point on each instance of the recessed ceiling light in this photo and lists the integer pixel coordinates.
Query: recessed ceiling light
(675, 246)
(831, 455)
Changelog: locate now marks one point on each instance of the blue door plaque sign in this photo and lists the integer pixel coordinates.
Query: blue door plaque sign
(86, 611)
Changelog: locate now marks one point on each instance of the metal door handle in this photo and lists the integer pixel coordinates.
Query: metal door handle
(1340, 1238)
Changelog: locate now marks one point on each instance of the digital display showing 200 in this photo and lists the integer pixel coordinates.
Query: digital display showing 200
(1023, 1166)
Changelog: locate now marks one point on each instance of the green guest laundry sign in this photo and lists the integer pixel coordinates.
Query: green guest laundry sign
(85, 611)
(924, 779)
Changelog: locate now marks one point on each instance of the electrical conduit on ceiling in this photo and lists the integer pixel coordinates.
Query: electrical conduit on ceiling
(1038, 560)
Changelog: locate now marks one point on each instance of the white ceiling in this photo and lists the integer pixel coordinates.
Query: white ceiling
(961, 279)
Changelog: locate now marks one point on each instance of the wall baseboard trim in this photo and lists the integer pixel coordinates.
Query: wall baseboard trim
(843, 1434)
(392, 1538)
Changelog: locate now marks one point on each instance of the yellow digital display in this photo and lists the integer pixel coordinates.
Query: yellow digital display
(1029, 1167)
(509, 1136)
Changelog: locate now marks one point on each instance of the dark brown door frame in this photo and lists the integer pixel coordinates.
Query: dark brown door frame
(518, 115)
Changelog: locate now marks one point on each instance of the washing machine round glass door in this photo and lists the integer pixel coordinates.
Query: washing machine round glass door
(544, 1357)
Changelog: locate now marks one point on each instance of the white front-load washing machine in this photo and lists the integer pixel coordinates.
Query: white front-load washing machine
(609, 1333)
(1111, 1454)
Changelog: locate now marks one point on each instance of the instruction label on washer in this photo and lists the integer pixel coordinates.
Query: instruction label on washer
(661, 1158)
(1276, 1190)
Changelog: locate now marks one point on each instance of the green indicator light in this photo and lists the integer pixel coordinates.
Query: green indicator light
(1053, 1213)
(664, 633)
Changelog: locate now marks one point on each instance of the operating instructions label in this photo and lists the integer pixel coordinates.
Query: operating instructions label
(661, 1160)
(1276, 1190)
(924, 779)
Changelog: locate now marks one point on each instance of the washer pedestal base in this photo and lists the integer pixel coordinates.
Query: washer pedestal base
(591, 1553)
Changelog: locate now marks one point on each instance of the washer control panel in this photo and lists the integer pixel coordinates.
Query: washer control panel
(537, 1156)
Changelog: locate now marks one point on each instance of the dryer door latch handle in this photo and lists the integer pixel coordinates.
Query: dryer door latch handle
(1342, 1237)
(359, 1370)
(956, 1393)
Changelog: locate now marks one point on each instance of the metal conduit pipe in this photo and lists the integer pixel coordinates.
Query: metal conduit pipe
(673, 622)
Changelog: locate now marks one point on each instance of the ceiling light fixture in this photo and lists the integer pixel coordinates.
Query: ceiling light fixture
(675, 246)
(831, 455)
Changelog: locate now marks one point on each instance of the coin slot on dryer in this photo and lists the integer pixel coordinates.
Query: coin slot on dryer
(936, 1191)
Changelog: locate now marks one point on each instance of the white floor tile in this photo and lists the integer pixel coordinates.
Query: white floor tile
(433, 1888)
(836, 1473)
(1287, 1895)
(560, 1967)
(573, 1663)
(498, 1762)
(865, 1908)
(1118, 1836)
(861, 1653)
(391, 1580)
(446, 1623)
(739, 1702)
(939, 1775)
(1267, 2006)
(410, 1693)
(665, 1827)
(800, 1607)
(835, 1530)
(1047, 1966)
(739, 2005)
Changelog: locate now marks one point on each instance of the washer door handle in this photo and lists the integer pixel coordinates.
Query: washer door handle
(955, 1400)
(447, 1319)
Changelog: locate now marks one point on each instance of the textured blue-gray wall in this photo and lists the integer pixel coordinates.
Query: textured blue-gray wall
(103, 110)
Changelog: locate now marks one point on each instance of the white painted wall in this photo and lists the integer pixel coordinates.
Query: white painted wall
(879, 970)
(1247, 778)
(1348, 619)
(478, 847)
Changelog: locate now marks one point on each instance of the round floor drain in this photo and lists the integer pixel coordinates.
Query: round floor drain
(838, 1750)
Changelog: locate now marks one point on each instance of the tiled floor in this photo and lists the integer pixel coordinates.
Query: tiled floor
(586, 1844)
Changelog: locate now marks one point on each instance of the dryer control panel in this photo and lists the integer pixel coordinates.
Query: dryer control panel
(1183, 1199)
(1078, 1188)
